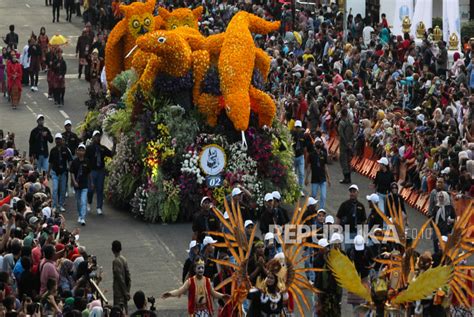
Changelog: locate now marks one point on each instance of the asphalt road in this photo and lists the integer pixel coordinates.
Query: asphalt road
(155, 252)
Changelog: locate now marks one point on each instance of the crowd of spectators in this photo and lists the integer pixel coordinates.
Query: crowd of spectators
(44, 270)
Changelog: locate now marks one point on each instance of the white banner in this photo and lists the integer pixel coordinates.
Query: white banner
(451, 20)
(403, 8)
(423, 12)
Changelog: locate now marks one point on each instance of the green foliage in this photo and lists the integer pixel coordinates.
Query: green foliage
(467, 29)
(91, 122)
(125, 80)
(153, 206)
(282, 148)
(118, 122)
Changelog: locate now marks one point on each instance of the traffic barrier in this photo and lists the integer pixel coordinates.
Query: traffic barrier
(367, 165)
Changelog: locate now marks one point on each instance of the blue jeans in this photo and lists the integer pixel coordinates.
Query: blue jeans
(315, 187)
(381, 203)
(42, 163)
(299, 169)
(98, 177)
(81, 202)
(59, 189)
(308, 263)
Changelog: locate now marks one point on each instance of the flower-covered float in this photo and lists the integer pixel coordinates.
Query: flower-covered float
(190, 117)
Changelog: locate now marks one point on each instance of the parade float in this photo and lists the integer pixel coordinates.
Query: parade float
(188, 114)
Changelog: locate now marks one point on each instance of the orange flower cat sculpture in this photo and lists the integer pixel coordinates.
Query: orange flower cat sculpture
(138, 20)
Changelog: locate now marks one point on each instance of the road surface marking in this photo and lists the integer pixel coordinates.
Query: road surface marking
(35, 103)
(27, 5)
(45, 94)
(68, 76)
(64, 114)
(31, 110)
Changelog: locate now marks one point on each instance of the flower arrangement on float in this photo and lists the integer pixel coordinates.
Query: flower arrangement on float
(170, 112)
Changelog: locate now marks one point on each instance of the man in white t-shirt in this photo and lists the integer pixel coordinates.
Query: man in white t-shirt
(366, 34)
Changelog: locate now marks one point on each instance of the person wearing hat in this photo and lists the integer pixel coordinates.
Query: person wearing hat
(40, 136)
(95, 155)
(80, 174)
(346, 141)
(71, 140)
(382, 181)
(208, 253)
(351, 213)
(300, 144)
(242, 197)
(280, 211)
(374, 219)
(204, 220)
(268, 216)
(318, 158)
(59, 158)
(193, 252)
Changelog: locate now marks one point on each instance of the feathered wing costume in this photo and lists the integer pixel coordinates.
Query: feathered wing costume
(240, 246)
(456, 250)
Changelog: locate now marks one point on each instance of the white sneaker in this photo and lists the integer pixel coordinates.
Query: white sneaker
(99, 211)
(302, 194)
(83, 222)
(62, 209)
(67, 194)
(32, 88)
(36, 88)
(79, 219)
(88, 207)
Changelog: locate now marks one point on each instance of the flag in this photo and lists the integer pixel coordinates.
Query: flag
(423, 12)
(403, 8)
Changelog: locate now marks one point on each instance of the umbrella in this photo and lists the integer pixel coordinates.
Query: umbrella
(58, 40)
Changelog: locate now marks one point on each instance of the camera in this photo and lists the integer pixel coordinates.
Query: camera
(152, 301)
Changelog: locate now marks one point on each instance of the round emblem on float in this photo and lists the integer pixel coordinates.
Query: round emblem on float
(212, 159)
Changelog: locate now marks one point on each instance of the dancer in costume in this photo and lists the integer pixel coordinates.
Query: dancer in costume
(200, 292)
(267, 301)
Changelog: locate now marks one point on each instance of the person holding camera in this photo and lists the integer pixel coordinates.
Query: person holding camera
(141, 302)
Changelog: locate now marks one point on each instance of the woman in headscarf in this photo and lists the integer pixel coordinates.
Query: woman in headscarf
(14, 75)
(66, 281)
(43, 41)
(384, 36)
(443, 214)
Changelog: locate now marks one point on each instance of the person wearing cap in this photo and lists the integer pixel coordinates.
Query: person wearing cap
(205, 220)
(374, 219)
(318, 158)
(59, 159)
(280, 211)
(193, 252)
(208, 253)
(40, 136)
(329, 299)
(80, 177)
(242, 197)
(382, 181)
(351, 212)
(346, 141)
(71, 140)
(95, 155)
(300, 144)
(358, 256)
(267, 216)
